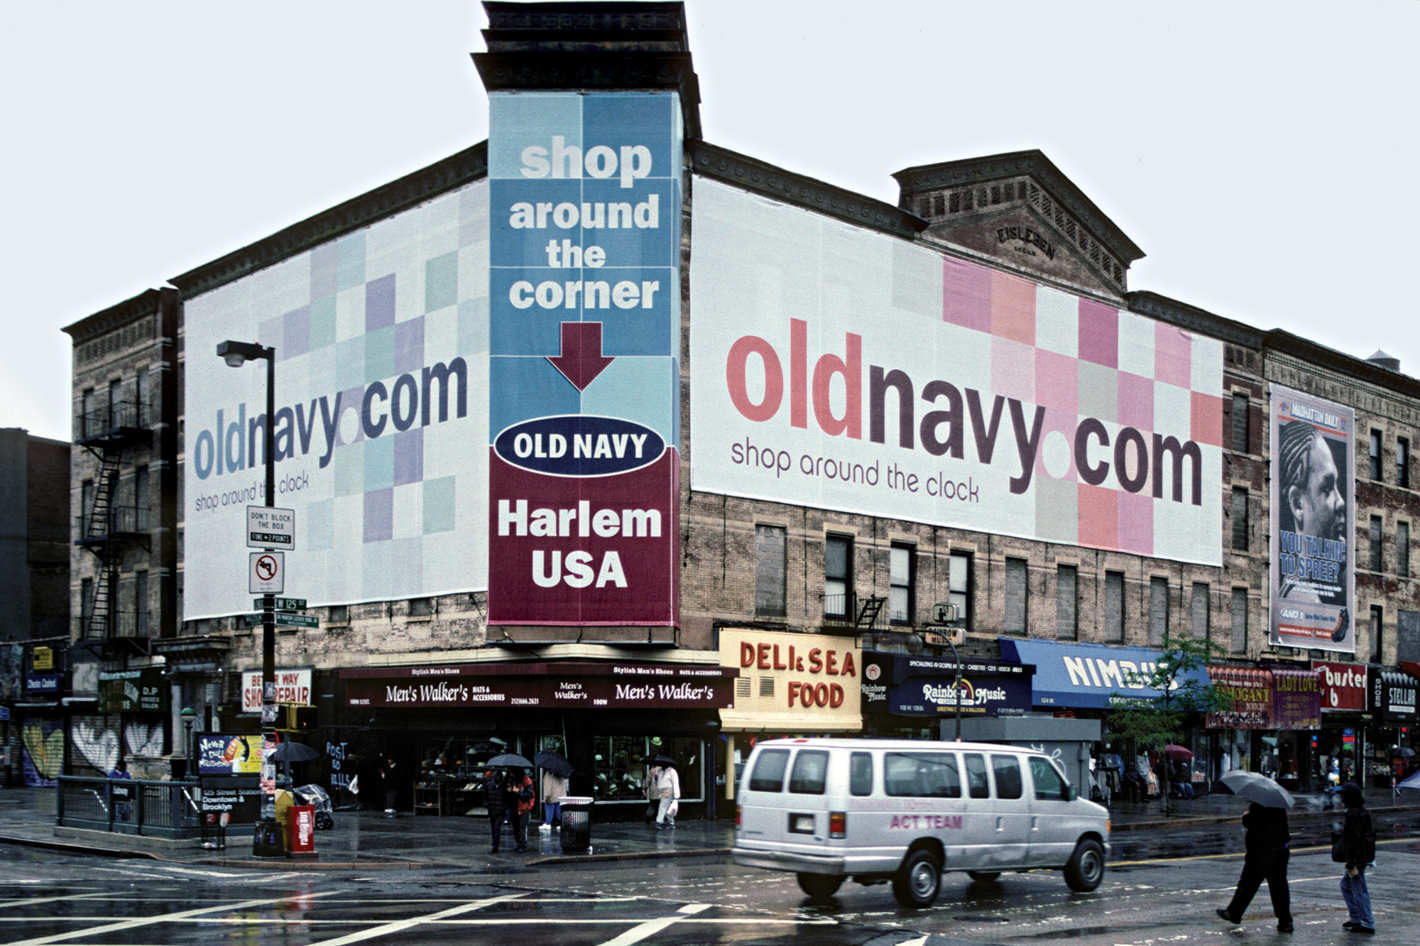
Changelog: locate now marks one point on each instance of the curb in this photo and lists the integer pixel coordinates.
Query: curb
(628, 855)
(72, 848)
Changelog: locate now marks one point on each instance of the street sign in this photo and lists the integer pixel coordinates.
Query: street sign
(283, 604)
(271, 528)
(279, 618)
(267, 573)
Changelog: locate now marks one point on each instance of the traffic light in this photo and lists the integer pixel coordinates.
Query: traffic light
(299, 718)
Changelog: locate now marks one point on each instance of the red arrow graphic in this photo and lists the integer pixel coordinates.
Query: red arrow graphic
(581, 359)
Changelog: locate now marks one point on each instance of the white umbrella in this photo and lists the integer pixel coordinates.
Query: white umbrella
(1258, 788)
(1412, 782)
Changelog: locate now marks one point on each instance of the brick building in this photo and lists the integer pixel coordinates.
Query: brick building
(826, 451)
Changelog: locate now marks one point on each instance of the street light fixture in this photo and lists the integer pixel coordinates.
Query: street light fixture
(267, 841)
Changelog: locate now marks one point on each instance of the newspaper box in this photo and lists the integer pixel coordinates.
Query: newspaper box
(301, 830)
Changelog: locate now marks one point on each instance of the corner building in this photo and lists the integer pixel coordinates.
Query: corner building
(605, 440)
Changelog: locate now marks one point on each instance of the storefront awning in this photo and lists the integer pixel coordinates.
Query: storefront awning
(1251, 694)
(1392, 695)
(1089, 676)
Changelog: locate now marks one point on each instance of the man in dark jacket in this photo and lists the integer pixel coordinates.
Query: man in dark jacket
(496, 799)
(1266, 859)
(1358, 842)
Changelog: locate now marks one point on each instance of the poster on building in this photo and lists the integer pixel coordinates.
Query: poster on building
(584, 346)
(846, 369)
(927, 686)
(1250, 694)
(791, 682)
(228, 753)
(42, 750)
(381, 343)
(1313, 495)
(1296, 699)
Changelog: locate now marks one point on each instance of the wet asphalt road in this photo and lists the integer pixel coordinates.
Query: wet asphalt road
(49, 897)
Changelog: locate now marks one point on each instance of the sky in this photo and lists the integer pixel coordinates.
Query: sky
(1260, 154)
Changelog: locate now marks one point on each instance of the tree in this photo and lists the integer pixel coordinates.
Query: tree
(1178, 677)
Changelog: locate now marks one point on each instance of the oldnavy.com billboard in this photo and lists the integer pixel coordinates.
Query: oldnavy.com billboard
(845, 369)
(584, 402)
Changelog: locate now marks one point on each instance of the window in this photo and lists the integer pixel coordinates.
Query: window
(1238, 513)
(810, 772)
(959, 586)
(860, 773)
(86, 507)
(115, 402)
(837, 573)
(340, 614)
(140, 397)
(768, 774)
(902, 593)
(140, 499)
(1049, 786)
(1008, 775)
(1377, 634)
(1158, 610)
(1239, 614)
(1376, 455)
(1114, 606)
(977, 783)
(1017, 596)
(921, 775)
(88, 423)
(140, 603)
(770, 543)
(421, 607)
(1239, 425)
(1376, 560)
(1402, 549)
(86, 606)
(1200, 611)
(1402, 462)
(1067, 612)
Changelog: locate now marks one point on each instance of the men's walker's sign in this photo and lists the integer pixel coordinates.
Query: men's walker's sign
(584, 403)
(850, 370)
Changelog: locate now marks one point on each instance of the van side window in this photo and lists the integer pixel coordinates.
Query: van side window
(1049, 786)
(976, 776)
(810, 772)
(1008, 775)
(921, 775)
(860, 773)
(768, 774)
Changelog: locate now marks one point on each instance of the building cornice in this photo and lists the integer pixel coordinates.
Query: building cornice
(1194, 319)
(1313, 353)
(115, 316)
(761, 178)
(471, 164)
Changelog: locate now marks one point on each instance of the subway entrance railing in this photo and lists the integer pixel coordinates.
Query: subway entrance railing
(129, 806)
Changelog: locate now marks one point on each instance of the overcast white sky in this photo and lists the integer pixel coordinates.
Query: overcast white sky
(1260, 153)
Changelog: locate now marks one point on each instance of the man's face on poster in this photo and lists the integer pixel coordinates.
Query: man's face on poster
(1317, 504)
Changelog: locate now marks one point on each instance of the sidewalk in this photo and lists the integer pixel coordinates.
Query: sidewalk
(372, 840)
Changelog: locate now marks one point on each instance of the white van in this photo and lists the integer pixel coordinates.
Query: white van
(880, 809)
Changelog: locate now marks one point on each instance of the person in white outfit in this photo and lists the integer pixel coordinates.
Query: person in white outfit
(668, 793)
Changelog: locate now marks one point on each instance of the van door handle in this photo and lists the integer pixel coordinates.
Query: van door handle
(1034, 822)
(1000, 823)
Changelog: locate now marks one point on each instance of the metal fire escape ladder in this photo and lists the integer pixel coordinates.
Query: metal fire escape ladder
(99, 540)
(868, 613)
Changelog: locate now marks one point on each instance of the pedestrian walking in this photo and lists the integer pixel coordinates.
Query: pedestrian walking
(496, 800)
(554, 788)
(1265, 859)
(519, 788)
(667, 785)
(1358, 849)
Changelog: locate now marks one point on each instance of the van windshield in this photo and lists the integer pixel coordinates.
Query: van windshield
(768, 773)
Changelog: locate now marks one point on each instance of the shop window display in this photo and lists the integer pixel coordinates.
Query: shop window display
(623, 766)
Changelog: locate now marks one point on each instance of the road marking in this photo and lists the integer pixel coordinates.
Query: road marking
(399, 926)
(149, 921)
(651, 927)
(1237, 854)
(30, 901)
(919, 941)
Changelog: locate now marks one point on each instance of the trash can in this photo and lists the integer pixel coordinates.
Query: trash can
(576, 824)
(301, 830)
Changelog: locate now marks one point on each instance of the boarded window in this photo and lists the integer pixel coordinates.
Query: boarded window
(1376, 560)
(1199, 611)
(1067, 611)
(1238, 513)
(1239, 425)
(1407, 636)
(1158, 610)
(1016, 596)
(769, 550)
(1114, 606)
(1239, 613)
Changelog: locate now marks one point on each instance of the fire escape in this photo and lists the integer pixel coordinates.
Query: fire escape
(110, 530)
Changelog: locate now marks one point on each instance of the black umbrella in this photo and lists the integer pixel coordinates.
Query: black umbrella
(554, 763)
(509, 760)
(294, 752)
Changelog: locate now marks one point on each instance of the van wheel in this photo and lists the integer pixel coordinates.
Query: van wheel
(917, 881)
(985, 876)
(819, 886)
(1086, 867)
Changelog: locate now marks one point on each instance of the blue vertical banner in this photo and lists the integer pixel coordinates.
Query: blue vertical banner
(584, 308)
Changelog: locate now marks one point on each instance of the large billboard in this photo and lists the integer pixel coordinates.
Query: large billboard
(584, 429)
(1313, 579)
(381, 340)
(845, 369)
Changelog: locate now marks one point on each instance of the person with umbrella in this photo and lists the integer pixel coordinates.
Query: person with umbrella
(1265, 845)
(665, 783)
(1358, 848)
(496, 800)
(555, 771)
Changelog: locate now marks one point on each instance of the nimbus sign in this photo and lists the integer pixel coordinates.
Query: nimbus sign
(846, 369)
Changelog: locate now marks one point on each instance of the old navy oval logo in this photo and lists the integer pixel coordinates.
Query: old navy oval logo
(579, 445)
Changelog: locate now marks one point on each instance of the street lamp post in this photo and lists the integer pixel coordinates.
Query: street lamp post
(267, 841)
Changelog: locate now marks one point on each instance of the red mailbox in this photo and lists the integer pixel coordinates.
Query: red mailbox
(301, 825)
